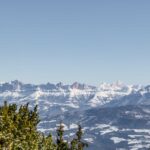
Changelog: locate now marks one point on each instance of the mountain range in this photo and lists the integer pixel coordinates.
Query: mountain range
(113, 116)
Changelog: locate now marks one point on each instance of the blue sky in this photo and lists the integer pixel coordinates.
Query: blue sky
(81, 40)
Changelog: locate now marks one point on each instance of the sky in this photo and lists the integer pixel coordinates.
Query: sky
(75, 40)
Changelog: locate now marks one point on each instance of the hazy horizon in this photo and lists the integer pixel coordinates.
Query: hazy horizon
(71, 83)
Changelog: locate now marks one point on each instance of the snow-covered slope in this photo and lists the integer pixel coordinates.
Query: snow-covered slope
(58, 98)
(70, 96)
(112, 115)
(140, 97)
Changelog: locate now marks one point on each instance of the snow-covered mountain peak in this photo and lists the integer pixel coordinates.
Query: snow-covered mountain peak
(116, 86)
(77, 85)
(119, 87)
(107, 92)
(144, 90)
(76, 94)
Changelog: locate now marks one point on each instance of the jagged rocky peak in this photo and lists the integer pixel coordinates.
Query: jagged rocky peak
(144, 90)
(59, 85)
(47, 86)
(77, 85)
(16, 84)
(10, 86)
(147, 88)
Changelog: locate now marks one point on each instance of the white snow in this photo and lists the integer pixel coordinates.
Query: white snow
(13, 94)
(104, 128)
(107, 92)
(117, 139)
(73, 126)
(90, 140)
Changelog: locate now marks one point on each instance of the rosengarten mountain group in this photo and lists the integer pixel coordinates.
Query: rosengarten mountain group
(113, 116)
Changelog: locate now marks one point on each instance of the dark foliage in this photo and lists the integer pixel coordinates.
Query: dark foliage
(18, 131)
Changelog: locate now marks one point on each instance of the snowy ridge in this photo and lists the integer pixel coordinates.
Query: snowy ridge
(108, 92)
(75, 92)
(76, 96)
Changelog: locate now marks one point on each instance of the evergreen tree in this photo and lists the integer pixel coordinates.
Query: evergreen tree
(18, 131)
(77, 143)
(61, 144)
